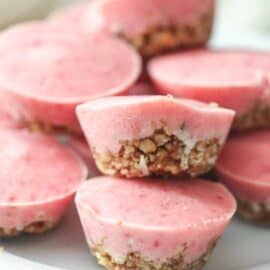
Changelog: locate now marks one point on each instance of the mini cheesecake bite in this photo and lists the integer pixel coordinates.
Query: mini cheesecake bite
(38, 180)
(138, 136)
(57, 71)
(244, 168)
(233, 79)
(177, 230)
(153, 27)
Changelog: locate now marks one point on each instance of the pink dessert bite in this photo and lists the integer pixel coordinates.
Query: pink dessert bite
(136, 136)
(177, 230)
(81, 146)
(244, 168)
(233, 79)
(38, 180)
(153, 26)
(57, 71)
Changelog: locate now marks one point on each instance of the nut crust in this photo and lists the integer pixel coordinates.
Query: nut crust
(257, 117)
(50, 129)
(37, 227)
(161, 39)
(160, 154)
(136, 261)
(258, 213)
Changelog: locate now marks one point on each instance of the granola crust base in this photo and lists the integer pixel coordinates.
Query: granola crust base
(50, 129)
(257, 213)
(162, 154)
(136, 261)
(37, 227)
(258, 117)
(160, 39)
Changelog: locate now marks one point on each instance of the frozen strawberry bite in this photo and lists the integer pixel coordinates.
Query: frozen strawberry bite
(244, 167)
(58, 71)
(138, 136)
(153, 26)
(38, 179)
(233, 79)
(153, 224)
(80, 145)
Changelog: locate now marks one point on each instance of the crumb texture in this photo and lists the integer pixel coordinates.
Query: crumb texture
(160, 39)
(50, 129)
(162, 153)
(136, 261)
(254, 212)
(37, 227)
(257, 117)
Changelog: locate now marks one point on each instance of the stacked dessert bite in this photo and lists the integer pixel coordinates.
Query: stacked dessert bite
(153, 223)
(134, 222)
(153, 27)
(233, 79)
(244, 168)
(152, 127)
(38, 180)
(238, 80)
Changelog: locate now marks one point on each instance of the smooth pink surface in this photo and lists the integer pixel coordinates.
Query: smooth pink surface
(233, 79)
(80, 145)
(8, 118)
(244, 166)
(108, 121)
(113, 212)
(58, 71)
(29, 34)
(38, 177)
(135, 17)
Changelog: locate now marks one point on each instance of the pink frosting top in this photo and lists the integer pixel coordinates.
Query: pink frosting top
(190, 212)
(135, 17)
(129, 118)
(232, 79)
(65, 68)
(244, 166)
(36, 168)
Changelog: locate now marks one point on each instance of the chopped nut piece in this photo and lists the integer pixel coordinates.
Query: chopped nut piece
(161, 139)
(147, 146)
